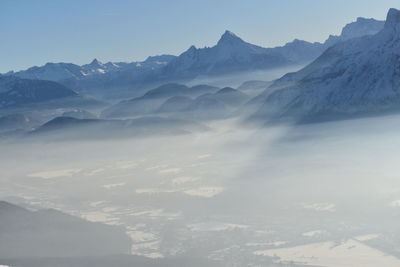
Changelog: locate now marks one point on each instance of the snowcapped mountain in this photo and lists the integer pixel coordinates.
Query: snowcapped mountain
(51, 72)
(60, 72)
(355, 77)
(231, 54)
(96, 78)
(96, 67)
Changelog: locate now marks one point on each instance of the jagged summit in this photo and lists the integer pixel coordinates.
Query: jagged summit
(229, 37)
(95, 62)
(393, 18)
(230, 54)
(229, 33)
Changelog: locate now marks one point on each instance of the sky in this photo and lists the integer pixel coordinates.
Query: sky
(34, 32)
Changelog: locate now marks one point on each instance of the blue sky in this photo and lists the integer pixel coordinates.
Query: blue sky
(38, 31)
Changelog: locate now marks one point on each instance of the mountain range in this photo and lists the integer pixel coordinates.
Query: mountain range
(67, 128)
(153, 99)
(351, 73)
(231, 54)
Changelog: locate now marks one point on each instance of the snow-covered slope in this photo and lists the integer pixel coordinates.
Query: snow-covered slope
(355, 77)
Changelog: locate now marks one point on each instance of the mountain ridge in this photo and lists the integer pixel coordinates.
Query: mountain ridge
(355, 77)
